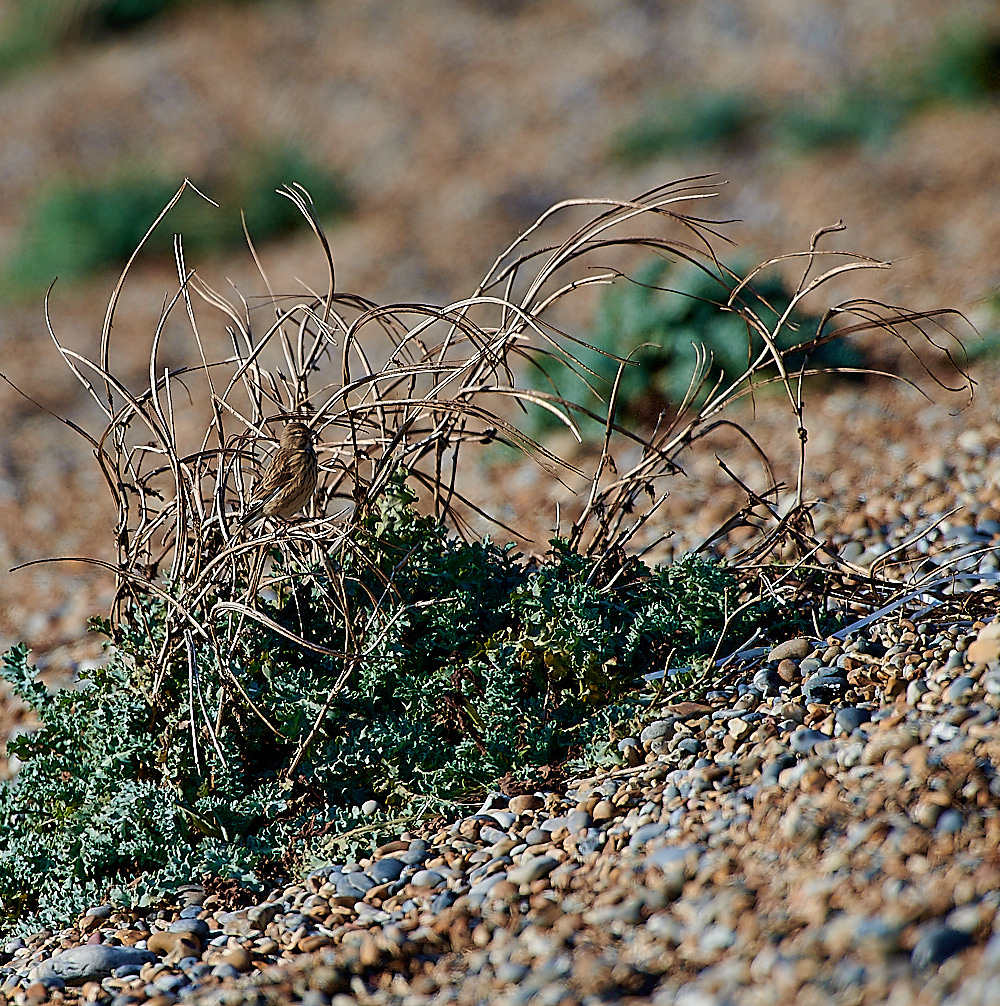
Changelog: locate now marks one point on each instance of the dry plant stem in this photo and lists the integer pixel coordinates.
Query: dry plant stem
(411, 386)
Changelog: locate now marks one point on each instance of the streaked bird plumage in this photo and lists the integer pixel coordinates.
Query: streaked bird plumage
(289, 481)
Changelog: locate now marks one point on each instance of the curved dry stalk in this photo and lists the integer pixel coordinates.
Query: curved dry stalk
(412, 386)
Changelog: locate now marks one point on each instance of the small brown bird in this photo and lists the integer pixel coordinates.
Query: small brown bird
(289, 480)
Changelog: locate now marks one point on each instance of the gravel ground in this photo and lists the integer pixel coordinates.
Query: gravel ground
(822, 827)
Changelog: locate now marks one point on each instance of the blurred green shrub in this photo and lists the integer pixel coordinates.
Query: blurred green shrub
(74, 229)
(963, 65)
(688, 122)
(850, 116)
(34, 28)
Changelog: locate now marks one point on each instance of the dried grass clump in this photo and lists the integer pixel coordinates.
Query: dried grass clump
(409, 387)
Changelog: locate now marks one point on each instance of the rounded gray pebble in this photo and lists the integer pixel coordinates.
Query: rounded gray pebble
(950, 822)
(959, 688)
(656, 730)
(91, 961)
(385, 870)
(849, 718)
(804, 740)
(824, 689)
(528, 873)
(647, 833)
(427, 878)
(578, 820)
(937, 945)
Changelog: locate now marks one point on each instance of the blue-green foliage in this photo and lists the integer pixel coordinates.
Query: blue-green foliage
(659, 321)
(472, 664)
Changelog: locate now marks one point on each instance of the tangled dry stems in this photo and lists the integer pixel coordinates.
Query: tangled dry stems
(412, 386)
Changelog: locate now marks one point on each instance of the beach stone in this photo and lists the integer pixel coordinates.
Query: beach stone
(427, 878)
(647, 833)
(262, 915)
(937, 945)
(849, 718)
(949, 822)
(739, 728)
(916, 690)
(524, 803)
(533, 870)
(789, 671)
(578, 820)
(603, 810)
(804, 740)
(656, 730)
(174, 944)
(790, 649)
(986, 646)
(767, 681)
(824, 689)
(89, 962)
(386, 870)
(193, 926)
(960, 688)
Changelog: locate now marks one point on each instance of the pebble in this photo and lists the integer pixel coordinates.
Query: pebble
(77, 965)
(937, 945)
(823, 826)
(804, 740)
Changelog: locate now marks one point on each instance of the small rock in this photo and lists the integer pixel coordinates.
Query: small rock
(804, 740)
(949, 822)
(604, 810)
(937, 945)
(824, 689)
(524, 803)
(647, 833)
(93, 961)
(789, 671)
(534, 869)
(174, 945)
(849, 718)
(960, 688)
(790, 649)
(986, 646)
(656, 730)
(385, 870)
(739, 728)
(916, 690)
(427, 878)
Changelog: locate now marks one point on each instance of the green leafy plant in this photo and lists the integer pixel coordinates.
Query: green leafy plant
(481, 666)
(697, 328)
